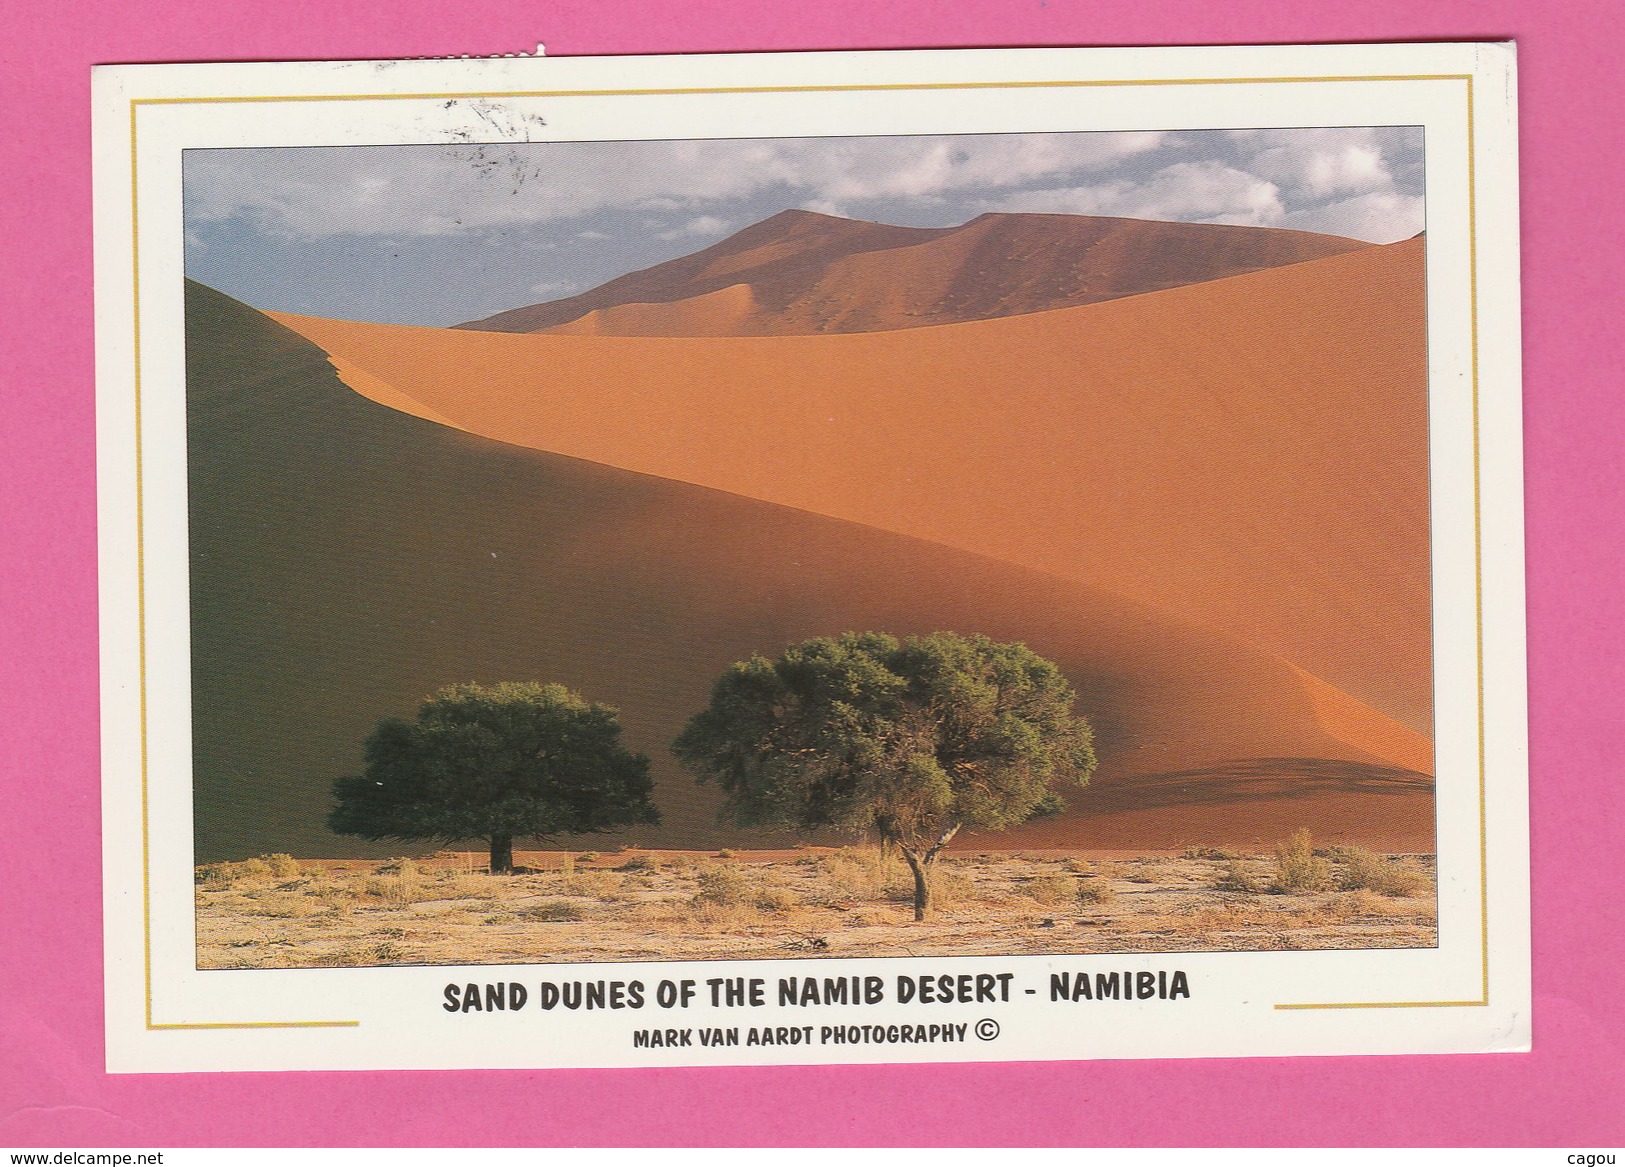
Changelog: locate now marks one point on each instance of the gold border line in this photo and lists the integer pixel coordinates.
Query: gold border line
(892, 88)
(136, 103)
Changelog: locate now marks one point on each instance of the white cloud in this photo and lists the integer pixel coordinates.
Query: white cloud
(703, 226)
(1382, 217)
(1208, 192)
(425, 191)
(553, 289)
(1358, 181)
(1318, 163)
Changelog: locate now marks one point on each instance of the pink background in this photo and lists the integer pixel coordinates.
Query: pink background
(53, 1092)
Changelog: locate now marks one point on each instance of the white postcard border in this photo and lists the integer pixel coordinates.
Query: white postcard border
(1471, 992)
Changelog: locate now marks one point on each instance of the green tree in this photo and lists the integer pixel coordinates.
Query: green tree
(500, 762)
(911, 740)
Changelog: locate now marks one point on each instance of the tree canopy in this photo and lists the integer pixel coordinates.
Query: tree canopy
(499, 762)
(912, 740)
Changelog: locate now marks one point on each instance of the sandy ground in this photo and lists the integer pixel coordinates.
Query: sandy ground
(641, 905)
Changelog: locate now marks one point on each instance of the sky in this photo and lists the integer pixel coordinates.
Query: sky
(445, 234)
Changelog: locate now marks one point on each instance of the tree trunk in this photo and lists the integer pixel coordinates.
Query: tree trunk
(922, 884)
(501, 854)
(920, 865)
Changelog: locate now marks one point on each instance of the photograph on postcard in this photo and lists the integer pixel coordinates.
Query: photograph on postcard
(951, 545)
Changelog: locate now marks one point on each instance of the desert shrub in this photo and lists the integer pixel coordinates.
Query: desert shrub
(283, 866)
(950, 887)
(1237, 877)
(1209, 853)
(248, 869)
(725, 853)
(777, 899)
(1052, 889)
(724, 886)
(1364, 870)
(1151, 869)
(396, 882)
(555, 911)
(1297, 867)
(1352, 905)
(867, 874)
(212, 876)
(846, 871)
(641, 863)
(1095, 891)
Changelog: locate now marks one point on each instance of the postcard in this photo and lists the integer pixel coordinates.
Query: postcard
(811, 558)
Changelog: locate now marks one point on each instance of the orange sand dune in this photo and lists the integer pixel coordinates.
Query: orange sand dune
(800, 272)
(1250, 805)
(348, 558)
(1248, 454)
(729, 311)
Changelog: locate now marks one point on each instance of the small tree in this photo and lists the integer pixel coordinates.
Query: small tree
(515, 760)
(912, 740)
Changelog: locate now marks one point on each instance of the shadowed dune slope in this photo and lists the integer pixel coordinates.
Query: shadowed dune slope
(802, 272)
(1248, 454)
(348, 558)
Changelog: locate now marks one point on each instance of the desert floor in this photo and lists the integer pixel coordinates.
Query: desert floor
(276, 912)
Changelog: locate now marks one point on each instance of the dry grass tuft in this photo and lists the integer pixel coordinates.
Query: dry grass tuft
(397, 882)
(1095, 891)
(287, 906)
(1053, 890)
(591, 883)
(723, 886)
(867, 874)
(722, 917)
(554, 911)
(777, 900)
(1152, 871)
(283, 866)
(1298, 868)
(1239, 877)
(1389, 877)
(472, 885)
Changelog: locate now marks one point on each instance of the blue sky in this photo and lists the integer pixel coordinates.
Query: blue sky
(444, 234)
